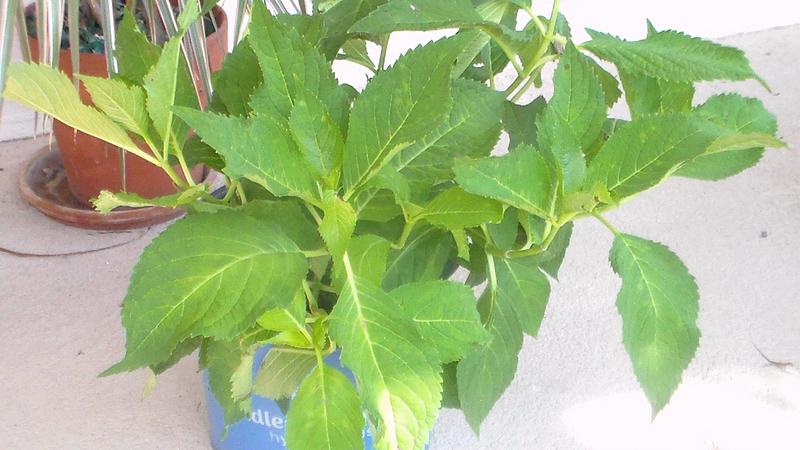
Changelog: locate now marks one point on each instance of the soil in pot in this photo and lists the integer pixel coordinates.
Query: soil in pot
(93, 165)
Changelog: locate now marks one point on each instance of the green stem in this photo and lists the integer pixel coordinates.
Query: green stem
(538, 248)
(313, 213)
(492, 286)
(316, 253)
(384, 49)
(231, 191)
(241, 194)
(326, 288)
(407, 228)
(605, 222)
(508, 52)
(173, 175)
(312, 302)
(536, 59)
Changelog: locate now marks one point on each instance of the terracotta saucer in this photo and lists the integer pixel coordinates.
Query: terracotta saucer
(43, 184)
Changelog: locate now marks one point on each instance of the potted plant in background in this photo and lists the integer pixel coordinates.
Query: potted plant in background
(321, 284)
(90, 164)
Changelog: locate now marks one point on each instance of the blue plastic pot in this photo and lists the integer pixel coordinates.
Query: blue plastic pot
(266, 427)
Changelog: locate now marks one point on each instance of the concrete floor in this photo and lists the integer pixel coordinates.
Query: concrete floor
(59, 321)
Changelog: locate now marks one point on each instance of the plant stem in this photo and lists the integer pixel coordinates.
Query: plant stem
(492, 287)
(316, 253)
(605, 222)
(313, 213)
(312, 302)
(401, 242)
(537, 249)
(185, 168)
(231, 191)
(173, 175)
(535, 61)
(384, 49)
(241, 194)
(537, 68)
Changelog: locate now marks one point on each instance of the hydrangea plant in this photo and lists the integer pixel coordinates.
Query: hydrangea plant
(348, 212)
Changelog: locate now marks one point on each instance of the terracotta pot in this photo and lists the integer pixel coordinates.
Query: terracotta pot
(93, 165)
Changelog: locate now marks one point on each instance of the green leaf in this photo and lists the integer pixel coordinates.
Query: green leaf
(640, 154)
(472, 129)
(450, 386)
(48, 90)
(291, 218)
(317, 136)
(485, 373)
(134, 52)
(521, 284)
(367, 255)
(519, 121)
(574, 117)
(325, 414)
(399, 376)
(398, 107)
(184, 349)
(426, 15)
(290, 66)
(423, 258)
(672, 56)
(455, 209)
(658, 305)
(445, 314)
(339, 17)
(207, 275)
(195, 151)
(290, 317)
(608, 81)
(717, 166)
(550, 260)
(230, 371)
(241, 141)
(646, 95)
(522, 178)
(238, 78)
(462, 243)
(122, 103)
(107, 201)
(504, 234)
(355, 50)
(337, 225)
(418, 15)
(281, 372)
(377, 205)
(743, 126)
(168, 84)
